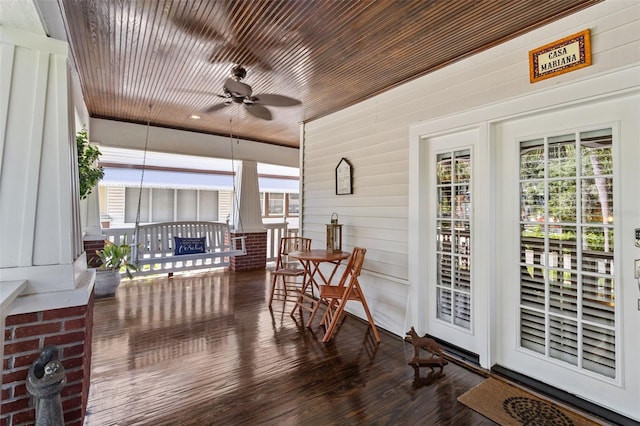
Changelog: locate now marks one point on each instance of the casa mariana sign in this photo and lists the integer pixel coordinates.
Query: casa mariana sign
(568, 54)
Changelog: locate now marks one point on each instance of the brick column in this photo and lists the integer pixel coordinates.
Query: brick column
(256, 257)
(70, 329)
(247, 218)
(91, 244)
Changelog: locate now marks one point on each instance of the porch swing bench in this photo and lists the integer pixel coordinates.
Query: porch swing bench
(184, 246)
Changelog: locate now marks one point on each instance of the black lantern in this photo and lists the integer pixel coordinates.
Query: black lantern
(334, 235)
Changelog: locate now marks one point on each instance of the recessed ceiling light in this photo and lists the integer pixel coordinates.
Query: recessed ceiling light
(195, 117)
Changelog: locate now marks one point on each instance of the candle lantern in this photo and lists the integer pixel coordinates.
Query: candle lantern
(334, 235)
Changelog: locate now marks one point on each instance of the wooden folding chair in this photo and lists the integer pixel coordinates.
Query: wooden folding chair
(285, 285)
(336, 296)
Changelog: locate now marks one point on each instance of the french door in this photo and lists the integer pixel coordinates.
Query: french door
(561, 246)
(456, 297)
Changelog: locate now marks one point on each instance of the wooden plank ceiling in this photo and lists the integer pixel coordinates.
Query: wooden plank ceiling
(162, 61)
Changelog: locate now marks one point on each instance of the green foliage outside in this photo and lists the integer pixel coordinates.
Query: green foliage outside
(586, 167)
(595, 240)
(89, 174)
(595, 166)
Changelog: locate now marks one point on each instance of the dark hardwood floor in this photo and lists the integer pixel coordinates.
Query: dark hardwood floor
(204, 349)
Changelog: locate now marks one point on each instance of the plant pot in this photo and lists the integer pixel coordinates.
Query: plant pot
(107, 282)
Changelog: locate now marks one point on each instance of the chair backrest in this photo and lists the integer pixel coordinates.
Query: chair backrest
(354, 267)
(288, 245)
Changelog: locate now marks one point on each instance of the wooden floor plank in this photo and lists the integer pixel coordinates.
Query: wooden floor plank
(204, 349)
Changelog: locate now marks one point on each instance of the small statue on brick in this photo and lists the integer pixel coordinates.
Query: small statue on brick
(435, 360)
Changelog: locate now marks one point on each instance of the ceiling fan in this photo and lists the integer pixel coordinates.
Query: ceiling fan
(235, 91)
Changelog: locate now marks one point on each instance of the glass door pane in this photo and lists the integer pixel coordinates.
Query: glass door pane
(567, 303)
(453, 233)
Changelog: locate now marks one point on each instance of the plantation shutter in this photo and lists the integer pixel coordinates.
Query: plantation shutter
(567, 286)
(453, 233)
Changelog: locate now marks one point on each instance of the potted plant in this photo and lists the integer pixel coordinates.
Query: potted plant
(114, 258)
(89, 173)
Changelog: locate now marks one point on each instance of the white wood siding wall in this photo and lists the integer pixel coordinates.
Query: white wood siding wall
(225, 201)
(374, 136)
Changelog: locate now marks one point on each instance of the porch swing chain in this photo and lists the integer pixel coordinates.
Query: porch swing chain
(233, 167)
(144, 162)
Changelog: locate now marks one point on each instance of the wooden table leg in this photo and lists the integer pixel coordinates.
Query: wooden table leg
(306, 281)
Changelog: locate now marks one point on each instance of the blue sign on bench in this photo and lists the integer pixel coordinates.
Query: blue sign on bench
(183, 245)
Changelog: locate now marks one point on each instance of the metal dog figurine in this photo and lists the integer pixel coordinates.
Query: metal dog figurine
(425, 343)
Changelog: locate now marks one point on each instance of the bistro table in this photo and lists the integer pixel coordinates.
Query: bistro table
(313, 277)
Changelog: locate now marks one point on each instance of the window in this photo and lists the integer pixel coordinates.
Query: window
(453, 233)
(275, 204)
(170, 205)
(293, 204)
(187, 204)
(162, 208)
(567, 286)
(208, 205)
(132, 197)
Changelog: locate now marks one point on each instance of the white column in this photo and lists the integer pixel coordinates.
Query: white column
(247, 216)
(90, 208)
(39, 224)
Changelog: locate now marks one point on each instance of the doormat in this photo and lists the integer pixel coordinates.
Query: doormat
(509, 405)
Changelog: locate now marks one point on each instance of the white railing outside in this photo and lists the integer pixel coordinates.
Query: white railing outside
(119, 235)
(275, 231)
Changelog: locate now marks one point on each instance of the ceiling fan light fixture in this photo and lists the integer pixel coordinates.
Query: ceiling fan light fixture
(237, 92)
(238, 72)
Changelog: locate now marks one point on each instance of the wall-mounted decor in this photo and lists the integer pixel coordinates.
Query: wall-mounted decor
(567, 54)
(344, 175)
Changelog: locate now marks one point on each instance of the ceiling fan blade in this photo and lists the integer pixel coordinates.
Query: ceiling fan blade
(275, 100)
(215, 107)
(237, 87)
(258, 111)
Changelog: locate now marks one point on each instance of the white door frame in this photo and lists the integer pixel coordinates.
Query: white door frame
(474, 339)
